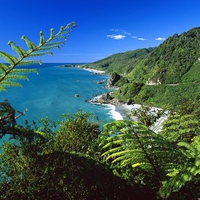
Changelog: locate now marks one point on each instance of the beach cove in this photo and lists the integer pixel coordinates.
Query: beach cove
(52, 93)
(119, 112)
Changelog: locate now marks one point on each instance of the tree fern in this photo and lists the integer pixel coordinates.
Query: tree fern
(181, 127)
(130, 143)
(10, 74)
(185, 172)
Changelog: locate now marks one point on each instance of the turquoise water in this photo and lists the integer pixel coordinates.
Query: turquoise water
(51, 93)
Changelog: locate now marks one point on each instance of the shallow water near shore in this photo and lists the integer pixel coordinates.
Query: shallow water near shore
(52, 93)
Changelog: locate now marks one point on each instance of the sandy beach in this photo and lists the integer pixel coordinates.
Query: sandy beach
(123, 111)
(95, 71)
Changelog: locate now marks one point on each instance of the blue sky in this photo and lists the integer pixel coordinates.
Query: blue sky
(104, 27)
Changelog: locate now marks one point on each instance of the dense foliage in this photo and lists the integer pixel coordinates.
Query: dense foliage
(175, 57)
(170, 72)
(62, 163)
(170, 167)
(122, 63)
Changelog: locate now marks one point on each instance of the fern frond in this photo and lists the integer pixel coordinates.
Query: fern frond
(44, 47)
(30, 62)
(61, 29)
(14, 77)
(24, 71)
(188, 146)
(2, 88)
(3, 67)
(129, 143)
(21, 52)
(41, 54)
(28, 42)
(42, 40)
(178, 180)
(48, 47)
(183, 173)
(8, 58)
(11, 84)
(52, 34)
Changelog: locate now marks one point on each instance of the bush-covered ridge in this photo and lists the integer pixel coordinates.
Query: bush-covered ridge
(122, 63)
(174, 65)
(175, 57)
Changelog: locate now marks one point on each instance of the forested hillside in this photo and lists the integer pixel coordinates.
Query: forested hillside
(173, 59)
(121, 62)
(169, 73)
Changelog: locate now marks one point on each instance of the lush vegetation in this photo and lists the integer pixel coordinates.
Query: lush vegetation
(121, 63)
(74, 158)
(170, 72)
(126, 160)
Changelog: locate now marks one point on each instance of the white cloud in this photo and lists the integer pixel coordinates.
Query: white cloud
(160, 39)
(120, 34)
(116, 37)
(142, 39)
(138, 38)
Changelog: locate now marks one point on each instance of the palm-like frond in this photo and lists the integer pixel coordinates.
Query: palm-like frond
(9, 71)
(130, 143)
(186, 172)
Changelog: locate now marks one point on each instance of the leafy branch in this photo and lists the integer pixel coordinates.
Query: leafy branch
(129, 143)
(9, 74)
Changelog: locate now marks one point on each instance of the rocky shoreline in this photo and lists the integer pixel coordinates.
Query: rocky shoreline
(107, 98)
(123, 110)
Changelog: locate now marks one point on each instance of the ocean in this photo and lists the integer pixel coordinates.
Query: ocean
(52, 93)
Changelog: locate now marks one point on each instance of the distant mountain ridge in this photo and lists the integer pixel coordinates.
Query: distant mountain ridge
(121, 63)
(173, 59)
(174, 63)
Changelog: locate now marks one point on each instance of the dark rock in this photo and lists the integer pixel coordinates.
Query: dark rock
(113, 79)
(129, 102)
(101, 82)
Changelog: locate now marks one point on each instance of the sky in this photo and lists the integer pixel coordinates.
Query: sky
(104, 27)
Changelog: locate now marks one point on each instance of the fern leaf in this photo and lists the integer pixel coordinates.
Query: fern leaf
(30, 44)
(178, 181)
(52, 33)
(61, 29)
(11, 83)
(19, 77)
(24, 71)
(188, 146)
(41, 54)
(3, 67)
(2, 88)
(21, 52)
(42, 40)
(7, 57)
(48, 48)
(30, 62)
(44, 48)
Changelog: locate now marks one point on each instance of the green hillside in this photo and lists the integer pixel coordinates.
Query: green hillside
(172, 60)
(167, 75)
(121, 63)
